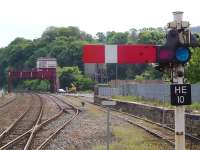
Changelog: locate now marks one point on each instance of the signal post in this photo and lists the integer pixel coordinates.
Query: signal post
(178, 77)
(170, 57)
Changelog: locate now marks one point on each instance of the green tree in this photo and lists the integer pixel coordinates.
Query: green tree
(116, 37)
(35, 85)
(133, 36)
(150, 74)
(193, 68)
(68, 75)
(101, 38)
(151, 36)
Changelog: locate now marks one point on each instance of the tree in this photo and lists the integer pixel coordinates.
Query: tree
(151, 36)
(72, 75)
(150, 74)
(193, 68)
(101, 38)
(65, 44)
(133, 36)
(35, 85)
(116, 37)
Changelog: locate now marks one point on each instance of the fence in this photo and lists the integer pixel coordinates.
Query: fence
(107, 91)
(148, 91)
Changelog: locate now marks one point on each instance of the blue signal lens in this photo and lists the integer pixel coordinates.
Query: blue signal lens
(182, 54)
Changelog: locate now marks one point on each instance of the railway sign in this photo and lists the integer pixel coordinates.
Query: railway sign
(180, 94)
(121, 54)
(108, 103)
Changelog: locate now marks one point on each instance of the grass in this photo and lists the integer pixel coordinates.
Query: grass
(94, 112)
(130, 138)
(194, 107)
(126, 136)
(86, 92)
(143, 101)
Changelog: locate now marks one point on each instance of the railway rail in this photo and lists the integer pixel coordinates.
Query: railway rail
(23, 124)
(154, 128)
(65, 109)
(10, 100)
(19, 135)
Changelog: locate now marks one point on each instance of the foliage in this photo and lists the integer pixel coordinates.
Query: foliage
(101, 38)
(116, 37)
(69, 75)
(125, 71)
(193, 68)
(151, 36)
(84, 83)
(149, 74)
(65, 44)
(35, 85)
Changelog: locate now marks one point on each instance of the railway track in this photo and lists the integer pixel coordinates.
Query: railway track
(8, 101)
(66, 111)
(24, 133)
(22, 125)
(156, 129)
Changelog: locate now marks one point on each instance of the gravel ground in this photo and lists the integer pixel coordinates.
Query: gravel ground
(84, 132)
(48, 130)
(11, 112)
(50, 107)
(7, 98)
(50, 110)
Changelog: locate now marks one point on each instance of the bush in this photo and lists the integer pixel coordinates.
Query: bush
(69, 75)
(84, 83)
(35, 85)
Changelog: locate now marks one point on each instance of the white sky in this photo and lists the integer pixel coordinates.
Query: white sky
(29, 18)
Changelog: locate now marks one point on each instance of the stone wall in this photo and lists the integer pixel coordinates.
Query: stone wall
(156, 114)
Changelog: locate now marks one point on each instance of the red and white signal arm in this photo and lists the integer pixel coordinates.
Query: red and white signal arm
(122, 54)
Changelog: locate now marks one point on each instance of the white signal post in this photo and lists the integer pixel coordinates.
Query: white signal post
(180, 120)
(180, 110)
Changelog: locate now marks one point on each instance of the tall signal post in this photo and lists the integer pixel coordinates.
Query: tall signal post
(178, 77)
(172, 56)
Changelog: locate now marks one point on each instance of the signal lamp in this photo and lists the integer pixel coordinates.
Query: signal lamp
(182, 55)
(165, 54)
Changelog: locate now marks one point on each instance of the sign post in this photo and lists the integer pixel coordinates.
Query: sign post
(180, 93)
(180, 119)
(108, 103)
(108, 128)
(180, 96)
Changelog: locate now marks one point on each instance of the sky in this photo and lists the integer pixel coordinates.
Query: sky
(29, 18)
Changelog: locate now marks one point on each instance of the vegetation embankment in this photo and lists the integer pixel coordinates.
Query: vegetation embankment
(195, 107)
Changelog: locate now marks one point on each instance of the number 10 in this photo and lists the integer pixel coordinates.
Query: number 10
(181, 99)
